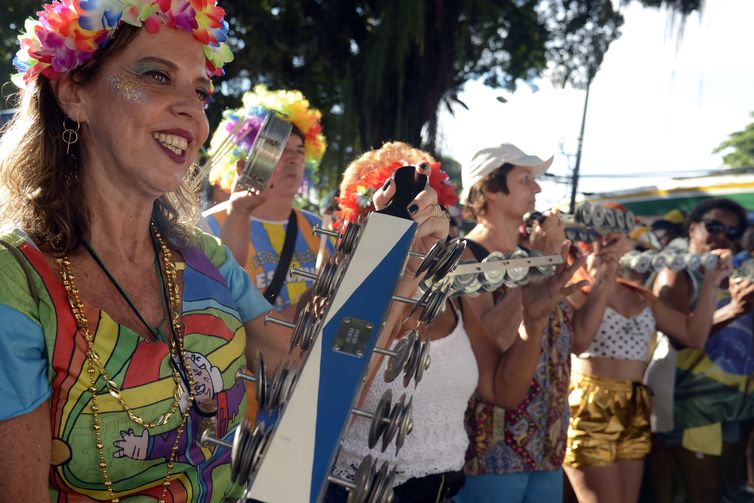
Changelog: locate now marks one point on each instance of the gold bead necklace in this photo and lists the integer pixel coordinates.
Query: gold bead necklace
(96, 368)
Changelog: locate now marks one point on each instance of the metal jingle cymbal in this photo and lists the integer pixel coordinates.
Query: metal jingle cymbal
(493, 277)
(299, 328)
(435, 302)
(320, 287)
(630, 221)
(362, 480)
(307, 337)
(241, 437)
(423, 364)
(382, 411)
(584, 212)
(397, 363)
(261, 448)
(423, 300)
(388, 496)
(610, 220)
(517, 274)
(598, 216)
(288, 384)
(247, 455)
(413, 362)
(392, 428)
(275, 384)
(261, 386)
(379, 479)
(449, 264)
(573, 234)
(620, 220)
(406, 424)
(430, 258)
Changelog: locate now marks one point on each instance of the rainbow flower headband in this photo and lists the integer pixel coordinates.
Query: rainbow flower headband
(239, 127)
(69, 32)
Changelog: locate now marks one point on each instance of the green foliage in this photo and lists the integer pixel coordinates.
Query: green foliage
(379, 69)
(740, 147)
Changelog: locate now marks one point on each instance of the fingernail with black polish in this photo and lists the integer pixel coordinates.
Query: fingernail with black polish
(413, 209)
(387, 184)
(424, 166)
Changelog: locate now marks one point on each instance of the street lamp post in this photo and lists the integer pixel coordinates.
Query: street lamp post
(575, 181)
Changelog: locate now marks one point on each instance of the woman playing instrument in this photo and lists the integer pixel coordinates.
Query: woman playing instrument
(121, 325)
(608, 431)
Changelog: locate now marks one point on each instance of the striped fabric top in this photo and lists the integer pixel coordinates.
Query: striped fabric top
(265, 246)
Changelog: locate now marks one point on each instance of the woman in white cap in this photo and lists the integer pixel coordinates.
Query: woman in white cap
(518, 451)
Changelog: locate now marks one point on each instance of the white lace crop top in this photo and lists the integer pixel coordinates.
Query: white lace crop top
(621, 337)
(439, 440)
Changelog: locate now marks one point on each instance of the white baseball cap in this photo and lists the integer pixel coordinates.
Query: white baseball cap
(489, 159)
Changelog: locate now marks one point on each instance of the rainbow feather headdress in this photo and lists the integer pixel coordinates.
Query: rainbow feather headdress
(239, 127)
(68, 33)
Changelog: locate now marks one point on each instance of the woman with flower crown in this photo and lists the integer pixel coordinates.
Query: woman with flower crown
(466, 355)
(121, 325)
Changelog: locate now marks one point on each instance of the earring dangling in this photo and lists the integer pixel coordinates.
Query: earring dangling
(70, 136)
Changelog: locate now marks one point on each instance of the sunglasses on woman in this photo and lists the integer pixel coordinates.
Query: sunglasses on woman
(717, 227)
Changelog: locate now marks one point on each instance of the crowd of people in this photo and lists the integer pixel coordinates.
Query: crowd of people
(125, 313)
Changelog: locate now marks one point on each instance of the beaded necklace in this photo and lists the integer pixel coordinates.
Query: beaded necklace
(96, 368)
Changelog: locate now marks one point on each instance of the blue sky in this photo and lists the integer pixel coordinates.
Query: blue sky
(658, 103)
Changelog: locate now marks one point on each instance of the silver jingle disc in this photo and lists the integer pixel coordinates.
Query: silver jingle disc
(493, 278)
(676, 262)
(406, 424)
(260, 450)
(261, 386)
(275, 385)
(693, 261)
(610, 219)
(435, 302)
(450, 261)
(394, 425)
(462, 281)
(396, 364)
(288, 385)
(413, 362)
(423, 301)
(382, 411)
(423, 363)
(584, 214)
(302, 323)
(310, 332)
(265, 152)
(382, 488)
(321, 288)
(710, 260)
(517, 274)
(247, 455)
(362, 480)
(379, 478)
(641, 263)
(541, 270)
(598, 216)
(242, 432)
(388, 498)
(630, 221)
(429, 259)
(620, 220)
(658, 262)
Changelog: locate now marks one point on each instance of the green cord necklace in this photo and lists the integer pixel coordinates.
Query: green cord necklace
(156, 334)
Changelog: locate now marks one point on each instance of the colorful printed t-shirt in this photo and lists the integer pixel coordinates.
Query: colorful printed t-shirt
(266, 244)
(533, 436)
(43, 358)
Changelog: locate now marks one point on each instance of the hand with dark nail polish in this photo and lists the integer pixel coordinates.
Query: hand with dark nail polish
(413, 209)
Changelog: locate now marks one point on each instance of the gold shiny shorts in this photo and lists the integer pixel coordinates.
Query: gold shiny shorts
(609, 421)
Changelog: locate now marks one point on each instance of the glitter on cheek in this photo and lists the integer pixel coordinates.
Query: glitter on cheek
(126, 88)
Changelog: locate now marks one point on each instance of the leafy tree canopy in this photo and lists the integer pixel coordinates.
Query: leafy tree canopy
(380, 69)
(739, 147)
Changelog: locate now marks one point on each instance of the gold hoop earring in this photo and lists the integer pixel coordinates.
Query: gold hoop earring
(70, 136)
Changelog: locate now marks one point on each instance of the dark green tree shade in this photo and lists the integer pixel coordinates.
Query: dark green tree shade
(380, 69)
